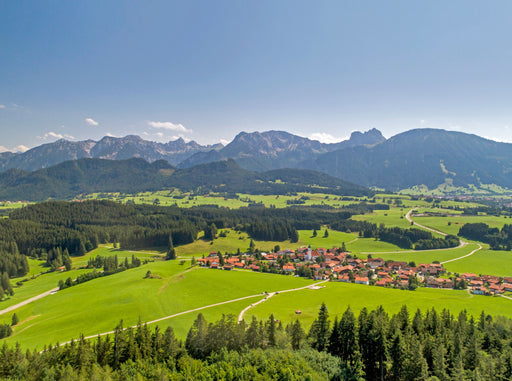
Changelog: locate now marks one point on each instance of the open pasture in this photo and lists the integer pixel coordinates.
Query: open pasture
(428, 256)
(485, 261)
(97, 306)
(240, 240)
(338, 296)
(452, 224)
(186, 200)
(109, 251)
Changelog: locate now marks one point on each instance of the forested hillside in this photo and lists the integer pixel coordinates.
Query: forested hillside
(84, 176)
(422, 156)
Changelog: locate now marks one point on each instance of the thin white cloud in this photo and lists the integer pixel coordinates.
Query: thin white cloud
(170, 126)
(111, 135)
(324, 137)
(54, 135)
(224, 142)
(91, 122)
(20, 148)
(2, 106)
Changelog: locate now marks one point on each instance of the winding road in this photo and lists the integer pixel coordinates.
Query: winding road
(462, 242)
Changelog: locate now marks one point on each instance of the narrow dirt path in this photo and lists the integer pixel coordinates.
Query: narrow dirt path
(30, 300)
(313, 286)
(201, 308)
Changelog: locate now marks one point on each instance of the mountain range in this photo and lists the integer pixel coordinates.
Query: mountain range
(428, 157)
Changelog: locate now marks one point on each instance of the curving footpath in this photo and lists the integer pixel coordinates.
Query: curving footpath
(201, 308)
(30, 300)
(313, 286)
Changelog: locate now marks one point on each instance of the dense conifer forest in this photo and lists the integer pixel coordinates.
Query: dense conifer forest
(371, 346)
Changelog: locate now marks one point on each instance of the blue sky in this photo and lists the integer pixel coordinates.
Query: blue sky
(206, 70)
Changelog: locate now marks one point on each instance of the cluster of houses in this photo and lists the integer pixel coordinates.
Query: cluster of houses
(487, 284)
(333, 264)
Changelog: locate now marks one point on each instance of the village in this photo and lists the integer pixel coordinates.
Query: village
(337, 265)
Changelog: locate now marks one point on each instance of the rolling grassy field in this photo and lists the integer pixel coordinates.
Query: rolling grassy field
(36, 285)
(338, 296)
(392, 217)
(108, 251)
(486, 261)
(429, 256)
(452, 224)
(98, 305)
(185, 200)
(235, 240)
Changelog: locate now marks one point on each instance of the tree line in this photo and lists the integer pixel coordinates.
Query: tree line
(54, 231)
(371, 346)
(409, 238)
(496, 238)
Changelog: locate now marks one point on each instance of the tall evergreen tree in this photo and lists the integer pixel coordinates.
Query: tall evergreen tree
(319, 332)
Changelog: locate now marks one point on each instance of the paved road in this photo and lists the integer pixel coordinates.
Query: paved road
(25, 302)
(462, 243)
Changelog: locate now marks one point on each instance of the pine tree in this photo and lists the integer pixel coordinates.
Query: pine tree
(348, 339)
(271, 331)
(296, 335)
(314, 233)
(196, 338)
(171, 252)
(81, 249)
(326, 233)
(319, 331)
(14, 320)
(294, 236)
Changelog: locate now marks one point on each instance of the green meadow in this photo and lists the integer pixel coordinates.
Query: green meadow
(97, 306)
(485, 261)
(240, 240)
(108, 251)
(187, 200)
(338, 296)
(452, 224)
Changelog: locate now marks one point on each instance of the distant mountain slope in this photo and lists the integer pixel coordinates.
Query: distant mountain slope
(72, 178)
(421, 156)
(130, 146)
(261, 151)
